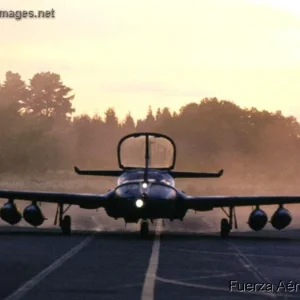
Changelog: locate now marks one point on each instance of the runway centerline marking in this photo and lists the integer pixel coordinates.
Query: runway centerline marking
(30, 284)
(149, 283)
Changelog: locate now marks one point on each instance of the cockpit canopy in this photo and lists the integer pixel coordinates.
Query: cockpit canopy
(153, 176)
(146, 149)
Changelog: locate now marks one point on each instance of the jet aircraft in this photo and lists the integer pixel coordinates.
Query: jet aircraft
(146, 191)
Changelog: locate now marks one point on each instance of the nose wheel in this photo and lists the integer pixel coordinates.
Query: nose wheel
(144, 229)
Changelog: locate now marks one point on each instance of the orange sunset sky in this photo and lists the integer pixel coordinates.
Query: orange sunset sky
(129, 54)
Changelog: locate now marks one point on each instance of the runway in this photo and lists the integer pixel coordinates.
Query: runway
(42, 264)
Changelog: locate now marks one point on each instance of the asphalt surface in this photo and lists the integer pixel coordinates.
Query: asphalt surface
(172, 264)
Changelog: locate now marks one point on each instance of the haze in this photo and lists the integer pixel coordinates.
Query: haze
(132, 54)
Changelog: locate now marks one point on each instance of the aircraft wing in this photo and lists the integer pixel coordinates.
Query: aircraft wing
(180, 174)
(209, 202)
(89, 200)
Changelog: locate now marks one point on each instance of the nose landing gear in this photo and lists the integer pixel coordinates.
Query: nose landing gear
(144, 229)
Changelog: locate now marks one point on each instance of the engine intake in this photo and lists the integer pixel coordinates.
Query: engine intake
(257, 219)
(281, 218)
(10, 214)
(33, 215)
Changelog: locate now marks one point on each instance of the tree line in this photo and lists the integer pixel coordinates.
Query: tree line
(39, 134)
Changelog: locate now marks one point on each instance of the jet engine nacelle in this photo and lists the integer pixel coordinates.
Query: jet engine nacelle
(257, 219)
(10, 214)
(33, 215)
(281, 218)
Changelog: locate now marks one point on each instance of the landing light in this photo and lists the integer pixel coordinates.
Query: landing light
(139, 203)
(144, 185)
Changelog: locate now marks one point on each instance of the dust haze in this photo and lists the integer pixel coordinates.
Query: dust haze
(41, 142)
(97, 220)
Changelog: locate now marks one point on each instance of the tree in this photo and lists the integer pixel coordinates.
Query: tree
(49, 97)
(36, 133)
(128, 125)
(110, 137)
(139, 125)
(158, 115)
(13, 92)
(166, 114)
(111, 119)
(148, 123)
(84, 139)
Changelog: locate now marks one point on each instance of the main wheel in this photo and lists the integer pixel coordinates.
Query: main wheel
(225, 228)
(66, 225)
(144, 229)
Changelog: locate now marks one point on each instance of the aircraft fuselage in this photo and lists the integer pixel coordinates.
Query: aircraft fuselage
(135, 200)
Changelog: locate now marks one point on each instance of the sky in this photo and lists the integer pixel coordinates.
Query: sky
(132, 54)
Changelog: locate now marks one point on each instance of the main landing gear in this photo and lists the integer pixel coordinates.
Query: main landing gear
(226, 224)
(144, 229)
(225, 228)
(65, 222)
(65, 225)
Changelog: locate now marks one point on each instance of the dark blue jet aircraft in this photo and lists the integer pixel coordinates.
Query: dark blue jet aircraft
(146, 191)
